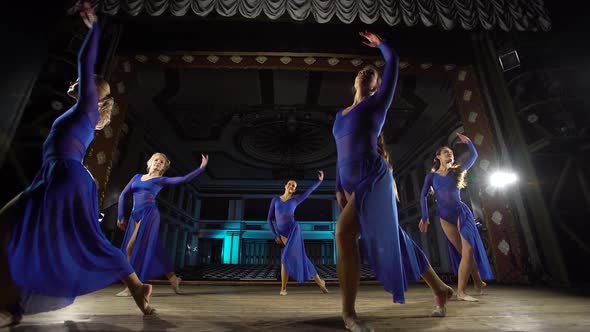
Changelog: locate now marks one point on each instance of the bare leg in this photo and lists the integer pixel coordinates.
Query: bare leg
(129, 250)
(442, 292)
(284, 280)
(174, 282)
(465, 268)
(284, 274)
(9, 314)
(141, 293)
(348, 264)
(321, 283)
(478, 283)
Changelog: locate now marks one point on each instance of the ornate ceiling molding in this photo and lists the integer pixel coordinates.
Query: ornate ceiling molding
(284, 61)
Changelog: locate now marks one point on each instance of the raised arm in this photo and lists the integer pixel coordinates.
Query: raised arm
(166, 181)
(87, 92)
(472, 156)
(123, 198)
(424, 196)
(308, 192)
(271, 218)
(386, 90)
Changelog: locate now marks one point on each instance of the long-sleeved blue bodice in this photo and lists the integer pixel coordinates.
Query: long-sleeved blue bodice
(447, 194)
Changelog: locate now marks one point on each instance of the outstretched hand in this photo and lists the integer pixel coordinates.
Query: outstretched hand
(87, 13)
(204, 160)
(321, 175)
(464, 139)
(373, 40)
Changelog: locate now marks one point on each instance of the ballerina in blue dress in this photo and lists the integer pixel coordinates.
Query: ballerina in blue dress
(468, 254)
(365, 193)
(141, 243)
(286, 231)
(52, 246)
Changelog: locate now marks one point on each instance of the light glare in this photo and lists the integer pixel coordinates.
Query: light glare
(501, 179)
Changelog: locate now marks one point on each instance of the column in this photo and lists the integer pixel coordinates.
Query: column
(498, 101)
(164, 231)
(180, 197)
(231, 247)
(174, 245)
(335, 210)
(197, 208)
(239, 210)
(194, 255)
(235, 210)
(184, 237)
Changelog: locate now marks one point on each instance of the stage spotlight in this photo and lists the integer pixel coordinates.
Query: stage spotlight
(509, 60)
(501, 179)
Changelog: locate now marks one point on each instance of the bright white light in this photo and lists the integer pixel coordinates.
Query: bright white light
(501, 179)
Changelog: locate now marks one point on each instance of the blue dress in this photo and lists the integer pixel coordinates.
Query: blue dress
(56, 249)
(148, 257)
(294, 258)
(453, 210)
(361, 170)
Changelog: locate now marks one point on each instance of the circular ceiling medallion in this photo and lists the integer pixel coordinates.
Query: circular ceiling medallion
(287, 141)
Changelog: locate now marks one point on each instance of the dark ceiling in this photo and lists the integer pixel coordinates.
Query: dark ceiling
(188, 33)
(199, 108)
(269, 120)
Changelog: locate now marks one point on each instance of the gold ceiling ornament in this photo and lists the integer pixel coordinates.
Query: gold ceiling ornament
(236, 59)
(213, 58)
(261, 59)
(188, 58)
(309, 60)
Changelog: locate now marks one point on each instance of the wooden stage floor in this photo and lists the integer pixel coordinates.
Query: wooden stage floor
(260, 308)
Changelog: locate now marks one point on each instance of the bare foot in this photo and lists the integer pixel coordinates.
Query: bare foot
(8, 319)
(467, 298)
(142, 299)
(283, 292)
(440, 299)
(176, 285)
(323, 287)
(354, 324)
(124, 293)
(439, 312)
(479, 288)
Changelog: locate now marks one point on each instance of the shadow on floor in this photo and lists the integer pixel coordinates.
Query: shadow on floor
(147, 323)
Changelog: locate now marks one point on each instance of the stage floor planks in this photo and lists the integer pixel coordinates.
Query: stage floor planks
(260, 308)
